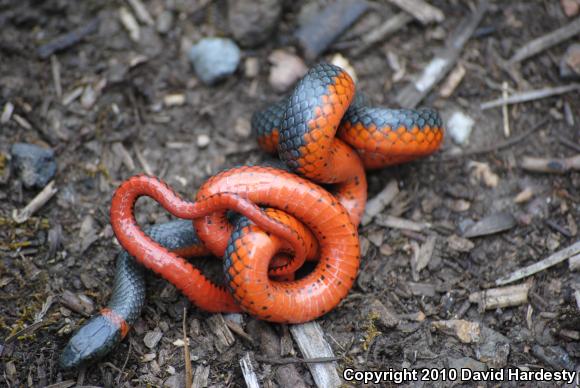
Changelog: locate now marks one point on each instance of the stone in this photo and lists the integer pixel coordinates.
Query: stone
(252, 22)
(570, 63)
(34, 165)
(214, 59)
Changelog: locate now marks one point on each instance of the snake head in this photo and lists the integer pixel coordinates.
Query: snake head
(90, 342)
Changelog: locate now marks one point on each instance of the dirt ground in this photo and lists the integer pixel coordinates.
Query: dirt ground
(121, 123)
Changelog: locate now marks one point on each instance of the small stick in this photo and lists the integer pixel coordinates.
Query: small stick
(530, 95)
(402, 223)
(422, 11)
(389, 27)
(67, 40)
(186, 356)
(541, 265)
(141, 12)
(574, 263)
(554, 166)
(37, 202)
(442, 63)
(248, 372)
(544, 42)
(55, 66)
(577, 296)
(146, 166)
(569, 143)
(376, 204)
(504, 109)
(501, 297)
(310, 339)
(295, 360)
(130, 23)
(6, 112)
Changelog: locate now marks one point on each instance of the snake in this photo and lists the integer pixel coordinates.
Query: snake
(326, 134)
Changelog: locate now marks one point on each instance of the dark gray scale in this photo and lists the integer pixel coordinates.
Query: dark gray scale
(393, 118)
(239, 223)
(307, 95)
(99, 336)
(264, 121)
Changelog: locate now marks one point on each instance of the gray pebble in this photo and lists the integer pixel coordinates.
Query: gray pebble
(214, 59)
(252, 22)
(34, 165)
(152, 338)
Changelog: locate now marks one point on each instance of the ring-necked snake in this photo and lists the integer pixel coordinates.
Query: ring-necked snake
(322, 132)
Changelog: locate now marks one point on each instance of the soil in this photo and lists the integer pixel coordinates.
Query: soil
(125, 128)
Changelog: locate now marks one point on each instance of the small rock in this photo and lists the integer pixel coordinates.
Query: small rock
(493, 349)
(35, 165)
(286, 69)
(555, 356)
(203, 140)
(570, 63)
(459, 127)
(214, 59)
(164, 22)
(152, 338)
(571, 7)
(252, 22)
(466, 363)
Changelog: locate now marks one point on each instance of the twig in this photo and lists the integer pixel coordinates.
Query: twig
(544, 42)
(389, 27)
(186, 356)
(569, 143)
(130, 23)
(55, 66)
(376, 204)
(67, 40)
(501, 297)
(442, 63)
(295, 360)
(530, 95)
(124, 365)
(401, 223)
(422, 11)
(554, 166)
(496, 147)
(37, 202)
(504, 109)
(548, 262)
(248, 372)
(141, 12)
(310, 339)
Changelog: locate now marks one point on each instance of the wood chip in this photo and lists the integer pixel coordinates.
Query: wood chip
(6, 112)
(248, 371)
(552, 166)
(121, 152)
(442, 63)
(310, 339)
(422, 289)
(422, 11)
(37, 202)
(200, 376)
(176, 99)
(530, 95)
(546, 41)
(466, 331)
(524, 196)
(495, 223)
(385, 317)
(130, 23)
(22, 121)
(141, 12)
(452, 81)
(459, 244)
(548, 262)
(378, 203)
(574, 263)
(422, 256)
(501, 297)
(224, 337)
(482, 172)
(401, 223)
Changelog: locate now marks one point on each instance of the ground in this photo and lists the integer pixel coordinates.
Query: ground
(123, 123)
